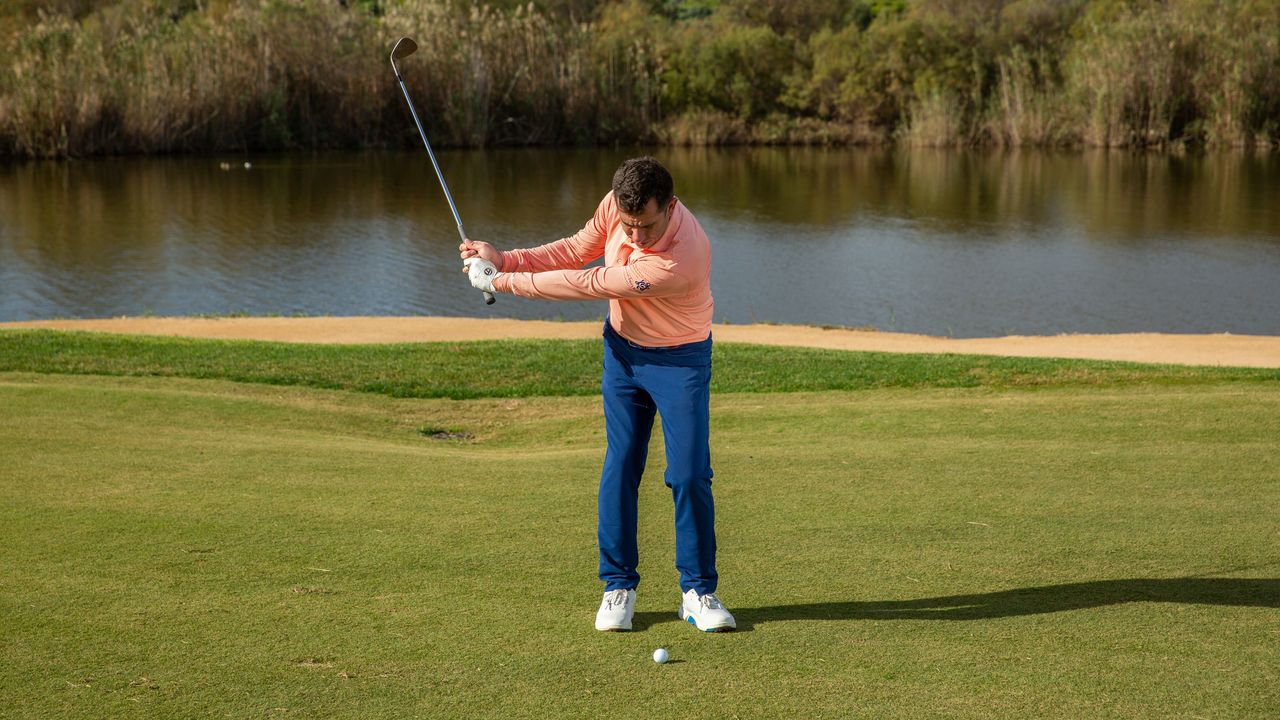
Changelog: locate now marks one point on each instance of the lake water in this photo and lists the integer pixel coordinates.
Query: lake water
(954, 243)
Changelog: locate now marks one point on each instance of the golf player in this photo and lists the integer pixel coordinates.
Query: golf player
(657, 359)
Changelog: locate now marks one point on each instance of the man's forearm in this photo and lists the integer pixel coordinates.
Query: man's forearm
(596, 283)
(566, 254)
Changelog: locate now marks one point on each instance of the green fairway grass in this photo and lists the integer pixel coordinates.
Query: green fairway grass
(522, 368)
(233, 529)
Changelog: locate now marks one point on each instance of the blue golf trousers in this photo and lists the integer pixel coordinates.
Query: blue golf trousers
(675, 383)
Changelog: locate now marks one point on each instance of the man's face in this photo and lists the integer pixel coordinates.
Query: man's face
(647, 228)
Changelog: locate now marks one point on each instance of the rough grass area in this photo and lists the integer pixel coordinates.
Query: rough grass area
(523, 368)
(177, 547)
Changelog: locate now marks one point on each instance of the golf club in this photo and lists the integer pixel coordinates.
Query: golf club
(404, 48)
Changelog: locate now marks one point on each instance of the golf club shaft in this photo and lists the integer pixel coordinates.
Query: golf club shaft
(462, 233)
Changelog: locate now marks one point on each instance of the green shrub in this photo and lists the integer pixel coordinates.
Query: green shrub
(720, 66)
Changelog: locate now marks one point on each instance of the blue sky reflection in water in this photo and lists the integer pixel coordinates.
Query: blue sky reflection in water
(942, 242)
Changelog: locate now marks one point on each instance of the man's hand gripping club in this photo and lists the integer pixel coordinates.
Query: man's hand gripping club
(480, 262)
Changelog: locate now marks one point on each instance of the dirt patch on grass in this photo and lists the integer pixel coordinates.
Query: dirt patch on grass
(1216, 349)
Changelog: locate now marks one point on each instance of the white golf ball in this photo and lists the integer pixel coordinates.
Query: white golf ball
(660, 655)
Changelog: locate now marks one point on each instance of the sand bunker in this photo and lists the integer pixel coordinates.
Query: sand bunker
(1223, 349)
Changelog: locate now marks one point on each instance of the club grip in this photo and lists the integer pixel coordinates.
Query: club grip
(462, 233)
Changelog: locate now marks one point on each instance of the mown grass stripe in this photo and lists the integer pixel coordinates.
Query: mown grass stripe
(531, 368)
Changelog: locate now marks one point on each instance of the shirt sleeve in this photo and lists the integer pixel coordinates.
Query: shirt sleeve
(650, 276)
(569, 253)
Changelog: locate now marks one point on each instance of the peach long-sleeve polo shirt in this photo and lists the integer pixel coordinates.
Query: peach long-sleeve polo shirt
(658, 297)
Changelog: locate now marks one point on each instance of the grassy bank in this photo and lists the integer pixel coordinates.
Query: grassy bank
(177, 547)
(522, 368)
(126, 76)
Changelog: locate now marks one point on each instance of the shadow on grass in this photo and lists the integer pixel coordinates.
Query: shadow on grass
(1249, 592)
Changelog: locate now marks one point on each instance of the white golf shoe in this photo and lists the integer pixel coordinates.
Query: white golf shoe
(706, 612)
(616, 610)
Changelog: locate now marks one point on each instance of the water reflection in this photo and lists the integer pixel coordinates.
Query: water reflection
(961, 243)
(1110, 194)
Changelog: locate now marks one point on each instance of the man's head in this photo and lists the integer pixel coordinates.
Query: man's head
(646, 197)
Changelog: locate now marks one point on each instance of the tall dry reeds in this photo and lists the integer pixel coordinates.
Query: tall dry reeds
(1131, 72)
(1029, 109)
(934, 119)
(1237, 82)
(1155, 73)
(56, 97)
(267, 74)
(481, 75)
(273, 74)
(151, 76)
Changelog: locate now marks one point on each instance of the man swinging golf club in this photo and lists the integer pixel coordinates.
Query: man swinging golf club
(657, 359)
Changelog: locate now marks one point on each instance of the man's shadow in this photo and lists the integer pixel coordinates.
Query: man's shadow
(1235, 592)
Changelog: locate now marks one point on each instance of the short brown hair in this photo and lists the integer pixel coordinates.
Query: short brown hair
(637, 181)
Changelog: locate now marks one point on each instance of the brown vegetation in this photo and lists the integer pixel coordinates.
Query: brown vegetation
(126, 76)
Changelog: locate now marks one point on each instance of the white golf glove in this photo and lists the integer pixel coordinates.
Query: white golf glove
(482, 273)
